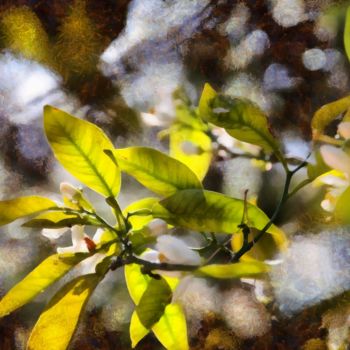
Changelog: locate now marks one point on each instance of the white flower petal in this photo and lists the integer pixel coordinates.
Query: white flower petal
(336, 158)
(344, 130)
(68, 190)
(176, 250)
(78, 234)
(98, 235)
(54, 233)
(151, 256)
(157, 227)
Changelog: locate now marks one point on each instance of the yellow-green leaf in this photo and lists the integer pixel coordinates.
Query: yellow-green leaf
(56, 219)
(238, 270)
(207, 96)
(139, 221)
(153, 302)
(342, 209)
(155, 170)
(327, 113)
(48, 272)
(347, 33)
(57, 324)
(79, 146)
(243, 120)
(191, 147)
(171, 329)
(136, 281)
(16, 208)
(137, 330)
(208, 211)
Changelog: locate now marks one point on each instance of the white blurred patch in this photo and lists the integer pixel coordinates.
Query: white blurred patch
(295, 147)
(314, 59)
(239, 175)
(26, 87)
(236, 26)
(288, 13)
(277, 77)
(251, 47)
(314, 268)
(245, 85)
(247, 317)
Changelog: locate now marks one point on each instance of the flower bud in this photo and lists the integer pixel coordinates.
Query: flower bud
(68, 190)
(157, 227)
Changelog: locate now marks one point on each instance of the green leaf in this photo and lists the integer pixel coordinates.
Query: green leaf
(243, 120)
(171, 329)
(191, 147)
(327, 114)
(342, 209)
(78, 145)
(153, 302)
(208, 211)
(136, 281)
(139, 221)
(48, 272)
(56, 219)
(347, 33)
(155, 170)
(238, 270)
(204, 107)
(137, 330)
(16, 208)
(57, 324)
(318, 168)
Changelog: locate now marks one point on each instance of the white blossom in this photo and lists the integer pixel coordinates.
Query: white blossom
(68, 190)
(54, 233)
(175, 250)
(344, 130)
(336, 158)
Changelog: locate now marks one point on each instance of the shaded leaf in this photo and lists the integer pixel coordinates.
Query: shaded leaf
(171, 329)
(155, 170)
(136, 281)
(208, 211)
(237, 270)
(13, 209)
(78, 145)
(48, 272)
(56, 219)
(342, 208)
(243, 120)
(153, 302)
(318, 168)
(327, 114)
(57, 324)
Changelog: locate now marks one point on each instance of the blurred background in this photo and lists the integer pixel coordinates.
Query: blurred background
(118, 63)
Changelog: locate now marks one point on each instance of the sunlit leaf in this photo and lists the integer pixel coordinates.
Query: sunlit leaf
(16, 208)
(79, 145)
(136, 281)
(137, 330)
(153, 302)
(327, 114)
(57, 324)
(48, 272)
(171, 329)
(347, 33)
(155, 170)
(191, 147)
(238, 270)
(56, 219)
(208, 211)
(139, 221)
(204, 107)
